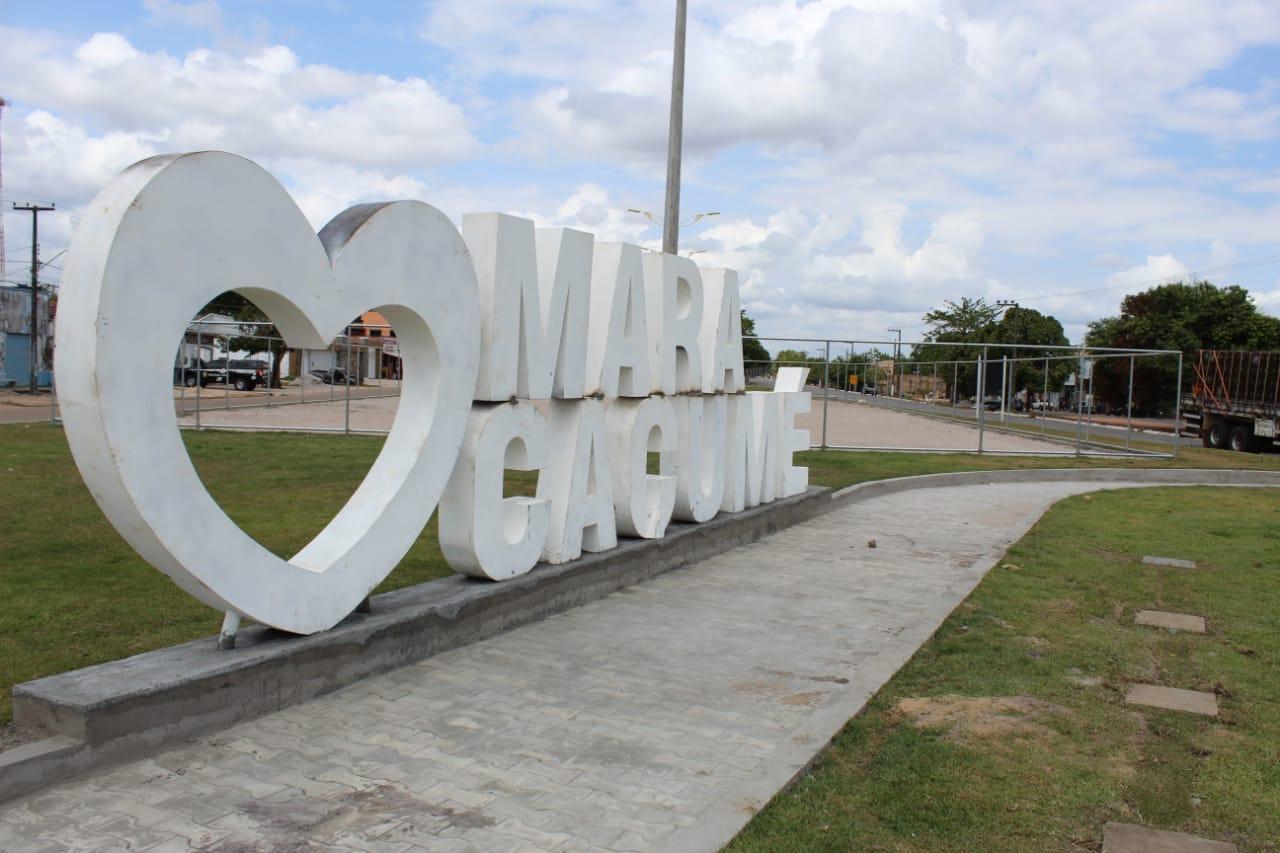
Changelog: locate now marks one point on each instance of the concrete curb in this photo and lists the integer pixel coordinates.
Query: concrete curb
(118, 710)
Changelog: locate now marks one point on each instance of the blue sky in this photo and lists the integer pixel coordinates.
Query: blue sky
(870, 158)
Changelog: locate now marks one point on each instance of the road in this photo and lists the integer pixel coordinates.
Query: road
(1096, 432)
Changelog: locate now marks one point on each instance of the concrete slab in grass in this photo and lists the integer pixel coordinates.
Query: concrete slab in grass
(1171, 562)
(1173, 699)
(1129, 838)
(1172, 621)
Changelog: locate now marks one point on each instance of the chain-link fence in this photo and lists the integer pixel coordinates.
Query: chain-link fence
(1003, 398)
(887, 395)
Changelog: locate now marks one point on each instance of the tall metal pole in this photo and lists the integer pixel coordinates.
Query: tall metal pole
(3, 104)
(675, 136)
(35, 210)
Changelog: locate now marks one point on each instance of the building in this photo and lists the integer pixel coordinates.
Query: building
(15, 337)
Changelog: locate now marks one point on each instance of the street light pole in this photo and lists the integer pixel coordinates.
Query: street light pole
(671, 219)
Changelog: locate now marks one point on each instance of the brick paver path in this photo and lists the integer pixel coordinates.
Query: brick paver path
(660, 717)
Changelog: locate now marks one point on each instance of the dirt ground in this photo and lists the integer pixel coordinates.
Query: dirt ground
(853, 424)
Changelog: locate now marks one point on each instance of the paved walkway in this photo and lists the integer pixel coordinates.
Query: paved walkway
(660, 717)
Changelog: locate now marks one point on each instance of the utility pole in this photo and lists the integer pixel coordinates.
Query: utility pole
(35, 210)
(3, 104)
(675, 135)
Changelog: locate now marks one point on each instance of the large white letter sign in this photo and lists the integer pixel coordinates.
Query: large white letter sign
(533, 301)
(577, 483)
(481, 534)
(673, 289)
(722, 333)
(701, 458)
(753, 472)
(643, 502)
(789, 386)
(619, 351)
(160, 241)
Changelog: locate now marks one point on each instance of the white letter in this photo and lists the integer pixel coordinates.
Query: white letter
(533, 298)
(751, 477)
(577, 482)
(792, 400)
(721, 337)
(673, 289)
(618, 343)
(793, 479)
(481, 534)
(700, 457)
(643, 503)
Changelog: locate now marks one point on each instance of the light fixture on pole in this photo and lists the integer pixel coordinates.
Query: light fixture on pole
(697, 217)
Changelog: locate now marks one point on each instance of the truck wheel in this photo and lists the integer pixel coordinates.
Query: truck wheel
(1218, 435)
(189, 381)
(242, 385)
(1241, 439)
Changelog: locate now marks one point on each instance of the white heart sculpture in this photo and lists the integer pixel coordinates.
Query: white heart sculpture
(173, 232)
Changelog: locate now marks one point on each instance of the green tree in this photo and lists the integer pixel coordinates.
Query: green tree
(959, 322)
(958, 329)
(792, 358)
(753, 352)
(1180, 316)
(253, 339)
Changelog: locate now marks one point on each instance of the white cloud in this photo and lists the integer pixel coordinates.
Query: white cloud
(104, 104)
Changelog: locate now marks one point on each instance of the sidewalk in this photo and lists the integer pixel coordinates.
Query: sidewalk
(661, 717)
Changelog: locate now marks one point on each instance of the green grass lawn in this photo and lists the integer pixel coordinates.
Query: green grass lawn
(76, 594)
(1007, 731)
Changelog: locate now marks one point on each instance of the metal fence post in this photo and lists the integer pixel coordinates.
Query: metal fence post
(1004, 388)
(1079, 399)
(982, 393)
(346, 422)
(1177, 410)
(955, 388)
(199, 371)
(1128, 424)
(826, 392)
(1044, 403)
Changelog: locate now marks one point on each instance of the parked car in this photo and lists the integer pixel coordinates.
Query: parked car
(332, 376)
(242, 375)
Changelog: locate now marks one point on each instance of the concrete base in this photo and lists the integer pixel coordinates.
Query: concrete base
(120, 709)
(1173, 699)
(1129, 838)
(123, 708)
